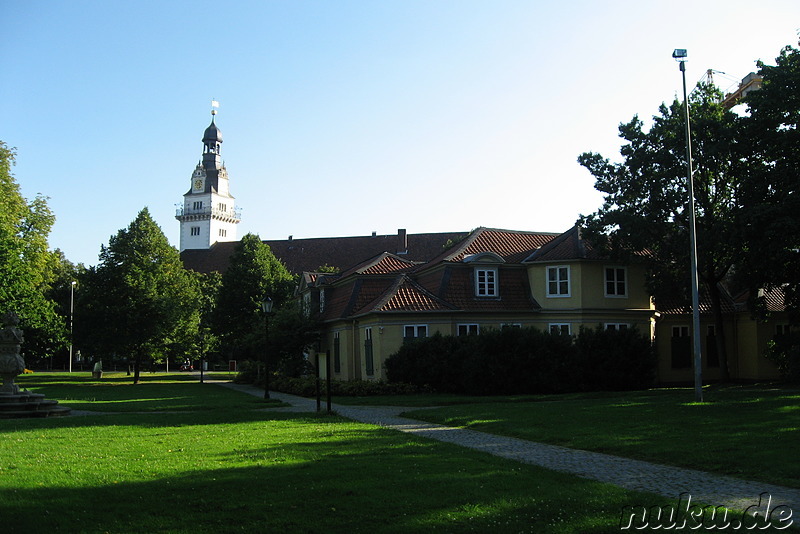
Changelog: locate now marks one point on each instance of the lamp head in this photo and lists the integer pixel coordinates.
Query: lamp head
(266, 305)
(679, 53)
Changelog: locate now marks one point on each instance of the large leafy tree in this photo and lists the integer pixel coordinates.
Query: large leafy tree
(253, 274)
(772, 221)
(27, 267)
(139, 302)
(646, 198)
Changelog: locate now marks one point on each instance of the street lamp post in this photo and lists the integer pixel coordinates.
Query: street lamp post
(202, 352)
(71, 312)
(266, 306)
(680, 55)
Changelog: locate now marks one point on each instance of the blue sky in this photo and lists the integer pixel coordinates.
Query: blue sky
(346, 117)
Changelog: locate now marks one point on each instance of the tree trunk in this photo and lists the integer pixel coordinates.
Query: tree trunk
(719, 334)
(137, 361)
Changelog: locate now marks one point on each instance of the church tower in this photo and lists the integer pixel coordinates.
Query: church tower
(208, 213)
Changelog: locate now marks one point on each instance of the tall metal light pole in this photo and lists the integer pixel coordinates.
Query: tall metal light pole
(71, 310)
(266, 306)
(680, 55)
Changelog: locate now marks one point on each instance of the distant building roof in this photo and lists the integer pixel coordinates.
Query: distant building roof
(309, 254)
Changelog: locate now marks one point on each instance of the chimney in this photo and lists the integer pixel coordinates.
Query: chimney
(290, 237)
(402, 241)
(374, 233)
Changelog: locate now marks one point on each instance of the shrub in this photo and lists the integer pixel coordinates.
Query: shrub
(431, 362)
(516, 361)
(784, 351)
(615, 360)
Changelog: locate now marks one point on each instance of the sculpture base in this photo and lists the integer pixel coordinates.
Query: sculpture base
(26, 404)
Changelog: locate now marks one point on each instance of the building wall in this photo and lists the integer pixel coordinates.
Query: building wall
(753, 338)
(587, 287)
(586, 307)
(746, 340)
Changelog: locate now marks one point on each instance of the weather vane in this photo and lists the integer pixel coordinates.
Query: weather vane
(214, 106)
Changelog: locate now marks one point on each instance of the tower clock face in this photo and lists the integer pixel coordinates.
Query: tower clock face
(198, 184)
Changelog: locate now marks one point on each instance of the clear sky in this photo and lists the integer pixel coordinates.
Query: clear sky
(347, 117)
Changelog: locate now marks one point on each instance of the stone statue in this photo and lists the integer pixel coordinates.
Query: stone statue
(11, 363)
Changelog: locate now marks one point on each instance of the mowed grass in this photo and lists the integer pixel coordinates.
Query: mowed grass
(749, 432)
(155, 392)
(238, 467)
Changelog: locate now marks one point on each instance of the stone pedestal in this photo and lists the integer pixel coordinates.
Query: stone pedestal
(13, 401)
(11, 363)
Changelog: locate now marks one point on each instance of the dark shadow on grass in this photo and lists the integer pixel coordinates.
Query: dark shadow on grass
(350, 485)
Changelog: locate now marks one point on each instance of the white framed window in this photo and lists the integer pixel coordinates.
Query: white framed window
(558, 281)
(486, 282)
(616, 281)
(617, 326)
(195, 230)
(510, 325)
(415, 330)
(563, 329)
(468, 329)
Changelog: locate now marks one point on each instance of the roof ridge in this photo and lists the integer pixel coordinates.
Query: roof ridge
(555, 242)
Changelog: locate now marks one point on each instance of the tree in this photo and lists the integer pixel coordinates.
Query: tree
(253, 274)
(646, 198)
(63, 293)
(26, 265)
(292, 332)
(139, 301)
(772, 226)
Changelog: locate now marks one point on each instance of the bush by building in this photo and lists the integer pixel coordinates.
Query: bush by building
(526, 361)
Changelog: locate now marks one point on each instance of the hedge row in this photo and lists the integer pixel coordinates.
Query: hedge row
(518, 361)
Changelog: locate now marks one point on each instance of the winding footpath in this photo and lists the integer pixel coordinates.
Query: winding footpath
(630, 474)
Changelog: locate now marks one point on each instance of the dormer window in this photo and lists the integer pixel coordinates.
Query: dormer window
(486, 274)
(485, 282)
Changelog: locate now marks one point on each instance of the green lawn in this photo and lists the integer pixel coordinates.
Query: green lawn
(156, 392)
(742, 431)
(238, 467)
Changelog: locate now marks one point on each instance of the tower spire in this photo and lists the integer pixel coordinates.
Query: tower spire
(208, 214)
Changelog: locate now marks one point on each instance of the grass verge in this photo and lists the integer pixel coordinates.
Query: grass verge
(742, 431)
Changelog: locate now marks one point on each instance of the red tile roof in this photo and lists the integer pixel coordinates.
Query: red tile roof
(383, 263)
(568, 246)
(458, 288)
(676, 306)
(511, 245)
(301, 255)
(405, 295)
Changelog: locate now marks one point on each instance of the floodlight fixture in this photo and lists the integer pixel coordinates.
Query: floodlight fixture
(679, 53)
